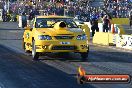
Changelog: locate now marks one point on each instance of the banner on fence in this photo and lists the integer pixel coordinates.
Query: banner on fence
(124, 41)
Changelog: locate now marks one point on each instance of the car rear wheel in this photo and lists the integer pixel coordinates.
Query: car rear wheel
(35, 54)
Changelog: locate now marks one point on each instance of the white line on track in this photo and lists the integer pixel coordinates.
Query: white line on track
(15, 31)
(114, 48)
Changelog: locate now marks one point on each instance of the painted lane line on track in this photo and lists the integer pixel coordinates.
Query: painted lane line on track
(16, 31)
(112, 47)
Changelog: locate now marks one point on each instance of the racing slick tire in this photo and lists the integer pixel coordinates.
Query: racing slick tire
(84, 55)
(35, 54)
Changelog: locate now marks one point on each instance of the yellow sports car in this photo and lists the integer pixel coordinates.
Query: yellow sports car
(55, 34)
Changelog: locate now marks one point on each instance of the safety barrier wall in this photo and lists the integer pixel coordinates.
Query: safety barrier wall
(121, 41)
(101, 38)
(104, 38)
(112, 39)
(121, 21)
(20, 22)
(124, 41)
(124, 21)
(1, 14)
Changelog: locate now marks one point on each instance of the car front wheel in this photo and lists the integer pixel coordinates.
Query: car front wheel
(84, 55)
(35, 54)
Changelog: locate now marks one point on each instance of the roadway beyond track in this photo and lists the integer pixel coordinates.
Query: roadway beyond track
(17, 70)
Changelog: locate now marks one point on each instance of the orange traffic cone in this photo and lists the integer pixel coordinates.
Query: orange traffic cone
(113, 29)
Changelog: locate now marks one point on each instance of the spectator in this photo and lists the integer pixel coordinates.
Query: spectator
(106, 24)
(130, 18)
(83, 8)
(94, 23)
(31, 15)
(24, 20)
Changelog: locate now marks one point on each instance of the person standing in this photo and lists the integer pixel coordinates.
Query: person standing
(130, 20)
(94, 25)
(24, 20)
(106, 24)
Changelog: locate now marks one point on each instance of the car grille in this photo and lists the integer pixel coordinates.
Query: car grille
(64, 37)
(64, 48)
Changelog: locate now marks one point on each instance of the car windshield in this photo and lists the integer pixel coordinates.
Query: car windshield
(49, 22)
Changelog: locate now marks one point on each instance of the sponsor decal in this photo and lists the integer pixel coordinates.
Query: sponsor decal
(27, 35)
(83, 78)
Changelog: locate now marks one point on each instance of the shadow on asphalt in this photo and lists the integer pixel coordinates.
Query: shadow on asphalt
(123, 57)
(98, 56)
(70, 57)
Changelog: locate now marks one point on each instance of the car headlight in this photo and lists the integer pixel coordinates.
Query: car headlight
(44, 37)
(81, 37)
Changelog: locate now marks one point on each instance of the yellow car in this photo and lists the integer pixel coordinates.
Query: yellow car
(49, 34)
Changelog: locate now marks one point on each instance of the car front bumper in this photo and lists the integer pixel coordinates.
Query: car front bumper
(58, 46)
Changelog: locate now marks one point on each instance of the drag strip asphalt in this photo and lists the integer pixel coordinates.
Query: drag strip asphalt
(19, 71)
(100, 61)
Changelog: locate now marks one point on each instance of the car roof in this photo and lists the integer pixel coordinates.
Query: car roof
(53, 16)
